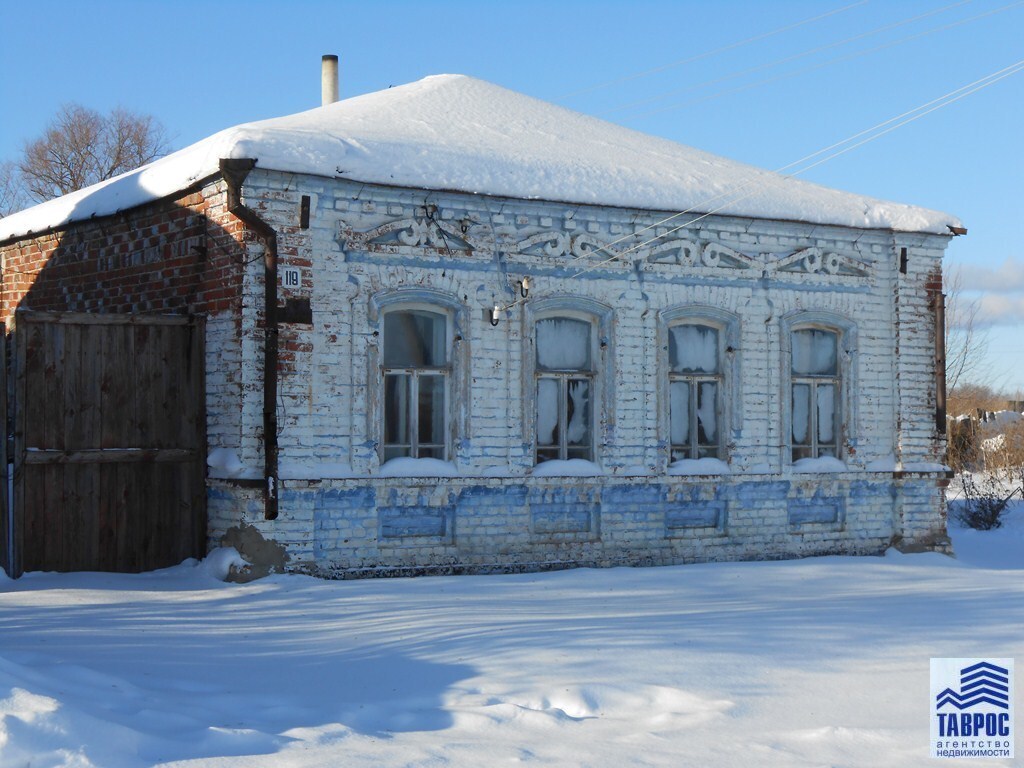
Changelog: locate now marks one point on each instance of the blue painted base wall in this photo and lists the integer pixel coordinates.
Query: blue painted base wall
(406, 526)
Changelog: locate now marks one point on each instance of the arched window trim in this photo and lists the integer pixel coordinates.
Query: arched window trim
(600, 316)
(418, 298)
(730, 413)
(458, 375)
(846, 331)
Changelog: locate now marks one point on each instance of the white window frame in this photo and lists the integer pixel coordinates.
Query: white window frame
(845, 421)
(456, 389)
(813, 381)
(729, 411)
(599, 316)
(415, 373)
(693, 382)
(564, 379)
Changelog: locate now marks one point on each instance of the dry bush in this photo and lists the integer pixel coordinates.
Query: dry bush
(984, 502)
(968, 399)
(963, 450)
(1006, 457)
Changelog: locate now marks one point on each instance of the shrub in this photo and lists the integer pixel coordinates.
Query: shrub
(962, 445)
(1009, 455)
(983, 503)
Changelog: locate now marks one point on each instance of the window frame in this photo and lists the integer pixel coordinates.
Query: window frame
(729, 407)
(564, 378)
(455, 371)
(599, 317)
(845, 415)
(693, 382)
(813, 381)
(414, 373)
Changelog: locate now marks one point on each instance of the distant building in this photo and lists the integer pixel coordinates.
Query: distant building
(512, 337)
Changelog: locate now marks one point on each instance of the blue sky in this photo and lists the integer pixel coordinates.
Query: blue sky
(763, 82)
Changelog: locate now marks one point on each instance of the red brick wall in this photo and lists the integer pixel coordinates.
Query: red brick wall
(169, 257)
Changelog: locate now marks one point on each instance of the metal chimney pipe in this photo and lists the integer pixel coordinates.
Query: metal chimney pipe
(328, 79)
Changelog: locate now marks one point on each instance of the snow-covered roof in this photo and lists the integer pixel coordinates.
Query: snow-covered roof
(452, 132)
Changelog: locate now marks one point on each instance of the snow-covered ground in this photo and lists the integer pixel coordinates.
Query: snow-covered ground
(819, 662)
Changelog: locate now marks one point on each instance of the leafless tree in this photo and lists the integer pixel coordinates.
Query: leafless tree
(81, 147)
(966, 339)
(11, 196)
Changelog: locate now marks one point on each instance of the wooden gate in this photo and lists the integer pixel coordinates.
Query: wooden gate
(109, 442)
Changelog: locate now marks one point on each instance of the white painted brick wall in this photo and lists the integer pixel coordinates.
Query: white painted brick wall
(328, 408)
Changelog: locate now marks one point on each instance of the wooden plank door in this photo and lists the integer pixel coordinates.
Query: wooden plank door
(110, 442)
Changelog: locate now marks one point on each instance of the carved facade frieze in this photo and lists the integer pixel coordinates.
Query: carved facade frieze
(432, 234)
(590, 247)
(555, 244)
(673, 252)
(816, 261)
(551, 244)
(410, 233)
(724, 257)
(688, 253)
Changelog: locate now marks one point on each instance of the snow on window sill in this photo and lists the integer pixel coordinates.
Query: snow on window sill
(408, 467)
(698, 467)
(820, 464)
(325, 470)
(924, 466)
(636, 470)
(569, 468)
(884, 464)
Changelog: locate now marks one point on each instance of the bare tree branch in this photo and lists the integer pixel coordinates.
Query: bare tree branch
(966, 340)
(82, 147)
(12, 197)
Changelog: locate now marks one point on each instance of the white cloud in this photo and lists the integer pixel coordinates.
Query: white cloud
(985, 295)
(1001, 308)
(1008, 277)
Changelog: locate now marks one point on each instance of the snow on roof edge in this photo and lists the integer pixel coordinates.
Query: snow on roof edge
(949, 228)
(5, 238)
(95, 215)
(503, 144)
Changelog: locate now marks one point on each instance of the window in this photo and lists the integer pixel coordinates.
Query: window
(415, 370)
(816, 393)
(565, 388)
(695, 391)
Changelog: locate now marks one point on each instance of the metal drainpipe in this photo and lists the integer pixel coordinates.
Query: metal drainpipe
(939, 308)
(234, 172)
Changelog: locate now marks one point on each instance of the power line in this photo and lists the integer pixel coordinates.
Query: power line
(991, 80)
(870, 134)
(821, 65)
(967, 89)
(714, 52)
(981, 82)
(897, 122)
(784, 60)
(885, 27)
